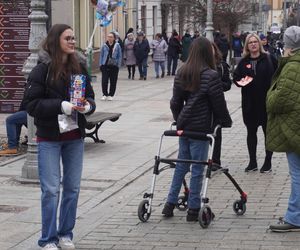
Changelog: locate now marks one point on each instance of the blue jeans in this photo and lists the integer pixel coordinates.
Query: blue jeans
(192, 150)
(142, 65)
(49, 155)
(156, 67)
(292, 215)
(14, 124)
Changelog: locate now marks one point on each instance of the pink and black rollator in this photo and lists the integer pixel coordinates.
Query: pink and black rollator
(205, 213)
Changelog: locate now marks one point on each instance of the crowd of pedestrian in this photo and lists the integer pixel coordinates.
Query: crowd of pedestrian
(270, 99)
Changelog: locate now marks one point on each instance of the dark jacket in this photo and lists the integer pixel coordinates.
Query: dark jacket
(254, 94)
(186, 44)
(175, 47)
(223, 45)
(45, 98)
(141, 50)
(223, 70)
(198, 110)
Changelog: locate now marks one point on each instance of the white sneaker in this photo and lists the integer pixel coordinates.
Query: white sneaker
(65, 243)
(50, 246)
(104, 98)
(110, 98)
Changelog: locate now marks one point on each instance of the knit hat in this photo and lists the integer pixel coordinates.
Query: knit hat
(262, 37)
(291, 37)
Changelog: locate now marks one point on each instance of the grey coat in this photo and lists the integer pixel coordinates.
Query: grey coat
(159, 50)
(129, 52)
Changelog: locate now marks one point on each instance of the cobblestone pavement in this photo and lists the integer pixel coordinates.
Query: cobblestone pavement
(116, 175)
(267, 199)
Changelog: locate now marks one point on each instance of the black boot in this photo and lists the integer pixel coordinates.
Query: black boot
(168, 210)
(192, 214)
(252, 166)
(266, 167)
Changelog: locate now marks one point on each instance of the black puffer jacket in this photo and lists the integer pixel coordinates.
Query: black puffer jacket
(198, 110)
(45, 98)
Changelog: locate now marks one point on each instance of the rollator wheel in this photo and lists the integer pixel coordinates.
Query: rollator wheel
(181, 203)
(205, 216)
(239, 207)
(142, 211)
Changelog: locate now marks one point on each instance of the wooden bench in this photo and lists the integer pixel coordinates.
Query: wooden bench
(94, 122)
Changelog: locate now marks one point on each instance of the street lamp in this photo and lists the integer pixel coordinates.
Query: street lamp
(209, 21)
(38, 33)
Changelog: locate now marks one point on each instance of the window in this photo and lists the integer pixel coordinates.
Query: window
(144, 18)
(154, 18)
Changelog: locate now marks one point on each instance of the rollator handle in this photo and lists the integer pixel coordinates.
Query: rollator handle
(189, 134)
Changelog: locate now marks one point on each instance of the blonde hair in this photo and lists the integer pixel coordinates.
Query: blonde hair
(246, 51)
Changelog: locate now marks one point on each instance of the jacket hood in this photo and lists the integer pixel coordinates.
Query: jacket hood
(44, 57)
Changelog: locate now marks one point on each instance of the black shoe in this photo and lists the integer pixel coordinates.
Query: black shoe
(168, 210)
(282, 227)
(266, 167)
(129, 76)
(132, 77)
(145, 78)
(157, 77)
(251, 167)
(192, 214)
(173, 74)
(168, 74)
(163, 75)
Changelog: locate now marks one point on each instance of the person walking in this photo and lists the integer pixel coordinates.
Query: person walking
(283, 105)
(223, 45)
(60, 130)
(129, 56)
(186, 44)
(141, 50)
(197, 100)
(223, 70)
(173, 52)
(253, 75)
(159, 47)
(110, 61)
(237, 45)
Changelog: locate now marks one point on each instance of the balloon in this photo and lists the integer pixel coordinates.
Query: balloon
(102, 7)
(113, 5)
(105, 10)
(106, 21)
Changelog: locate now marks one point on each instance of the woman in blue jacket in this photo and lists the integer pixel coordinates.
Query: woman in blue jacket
(110, 62)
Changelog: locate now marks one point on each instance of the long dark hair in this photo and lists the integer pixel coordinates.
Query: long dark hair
(51, 44)
(200, 57)
(218, 53)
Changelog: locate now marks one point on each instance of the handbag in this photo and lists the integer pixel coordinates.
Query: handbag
(111, 61)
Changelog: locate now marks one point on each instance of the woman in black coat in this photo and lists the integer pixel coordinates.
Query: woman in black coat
(59, 95)
(253, 74)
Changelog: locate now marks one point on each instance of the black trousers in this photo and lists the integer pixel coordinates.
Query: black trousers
(252, 143)
(217, 149)
(109, 75)
(129, 68)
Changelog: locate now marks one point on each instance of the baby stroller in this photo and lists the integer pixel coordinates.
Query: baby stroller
(205, 213)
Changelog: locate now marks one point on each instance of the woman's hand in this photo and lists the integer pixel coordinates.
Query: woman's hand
(86, 107)
(244, 81)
